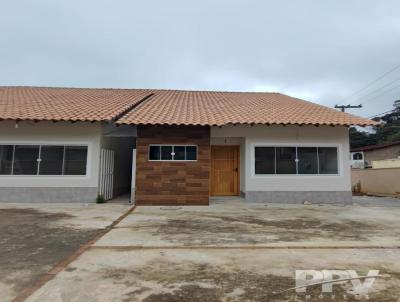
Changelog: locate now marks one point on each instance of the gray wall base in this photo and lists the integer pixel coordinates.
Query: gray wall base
(48, 194)
(325, 197)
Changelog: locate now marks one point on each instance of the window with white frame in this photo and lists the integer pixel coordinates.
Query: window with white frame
(172, 152)
(296, 160)
(43, 160)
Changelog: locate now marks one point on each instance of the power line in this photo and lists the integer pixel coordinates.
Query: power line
(384, 92)
(373, 82)
(376, 90)
(380, 114)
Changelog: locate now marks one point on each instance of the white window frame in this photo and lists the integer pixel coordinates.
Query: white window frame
(173, 145)
(88, 145)
(321, 145)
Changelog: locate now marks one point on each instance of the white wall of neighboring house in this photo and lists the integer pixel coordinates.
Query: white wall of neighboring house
(290, 187)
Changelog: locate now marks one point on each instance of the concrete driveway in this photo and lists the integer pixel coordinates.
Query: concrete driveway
(232, 223)
(232, 251)
(35, 237)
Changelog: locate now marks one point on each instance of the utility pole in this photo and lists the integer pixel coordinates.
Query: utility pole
(343, 107)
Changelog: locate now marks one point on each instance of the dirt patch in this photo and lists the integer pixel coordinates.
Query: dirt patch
(179, 282)
(31, 244)
(246, 229)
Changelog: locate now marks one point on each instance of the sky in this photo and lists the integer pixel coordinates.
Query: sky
(321, 51)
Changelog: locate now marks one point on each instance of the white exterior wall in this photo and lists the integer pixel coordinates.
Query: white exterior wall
(53, 133)
(260, 135)
(60, 188)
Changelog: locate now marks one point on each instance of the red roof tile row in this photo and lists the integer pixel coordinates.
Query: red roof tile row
(170, 107)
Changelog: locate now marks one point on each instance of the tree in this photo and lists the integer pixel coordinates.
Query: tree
(388, 132)
(396, 105)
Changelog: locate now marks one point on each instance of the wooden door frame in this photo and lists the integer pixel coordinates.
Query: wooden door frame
(237, 147)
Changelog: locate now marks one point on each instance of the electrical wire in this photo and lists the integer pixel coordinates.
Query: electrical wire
(380, 114)
(372, 82)
(384, 92)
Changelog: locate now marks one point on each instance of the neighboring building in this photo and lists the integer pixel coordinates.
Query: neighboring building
(386, 163)
(364, 156)
(181, 147)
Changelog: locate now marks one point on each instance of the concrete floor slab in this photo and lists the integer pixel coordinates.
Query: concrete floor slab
(35, 237)
(214, 275)
(230, 251)
(236, 225)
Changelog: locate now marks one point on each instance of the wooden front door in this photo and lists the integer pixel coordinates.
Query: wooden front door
(224, 170)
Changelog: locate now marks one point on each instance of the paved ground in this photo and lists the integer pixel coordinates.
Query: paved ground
(35, 237)
(235, 224)
(234, 252)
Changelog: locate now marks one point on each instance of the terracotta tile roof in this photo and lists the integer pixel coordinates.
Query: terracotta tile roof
(171, 107)
(66, 104)
(221, 108)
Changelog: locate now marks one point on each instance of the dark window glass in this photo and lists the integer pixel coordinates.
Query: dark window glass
(154, 153)
(75, 160)
(166, 152)
(52, 160)
(6, 154)
(179, 152)
(357, 156)
(191, 153)
(328, 160)
(308, 160)
(265, 160)
(286, 160)
(25, 160)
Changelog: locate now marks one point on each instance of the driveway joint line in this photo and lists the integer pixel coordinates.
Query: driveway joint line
(29, 291)
(247, 247)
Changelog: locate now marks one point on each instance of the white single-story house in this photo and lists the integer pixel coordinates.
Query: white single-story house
(170, 146)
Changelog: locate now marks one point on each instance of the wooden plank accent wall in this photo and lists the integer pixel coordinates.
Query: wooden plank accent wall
(168, 182)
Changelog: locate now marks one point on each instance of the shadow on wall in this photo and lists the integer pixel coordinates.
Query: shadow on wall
(122, 147)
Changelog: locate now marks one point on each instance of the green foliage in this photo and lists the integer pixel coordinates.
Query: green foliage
(396, 105)
(100, 199)
(386, 133)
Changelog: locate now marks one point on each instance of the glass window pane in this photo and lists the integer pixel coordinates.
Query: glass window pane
(308, 160)
(154, 153)
(75, 160)
(285, 160)
(179, 152)
(25, 159)
(6, 154)
(166, 152)
(328, 163)
(264, 160)
(191, 153)
(52, 160)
